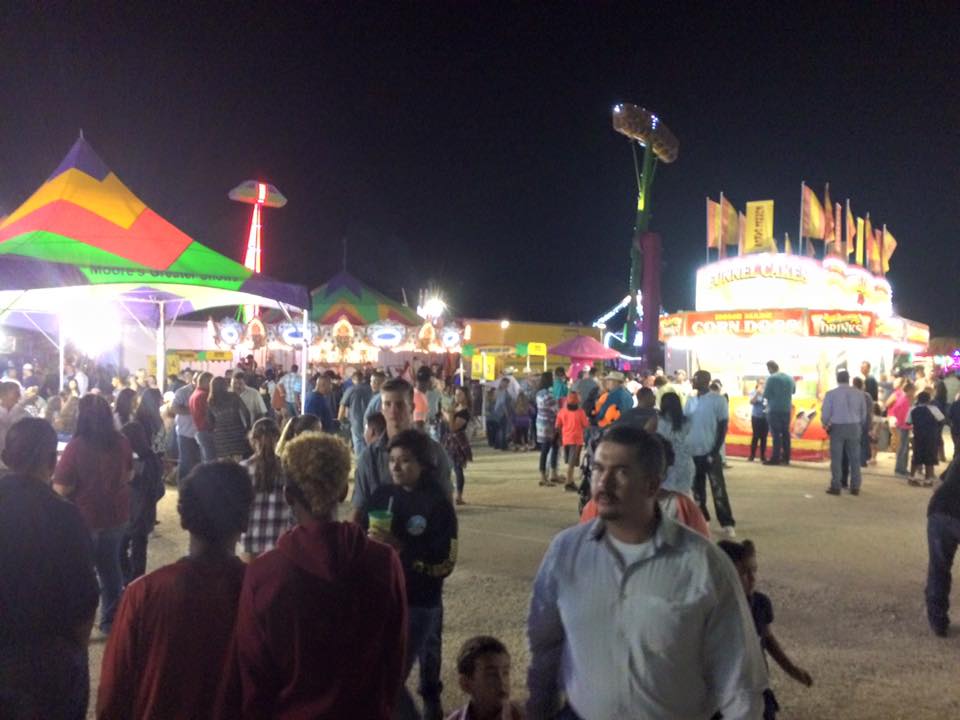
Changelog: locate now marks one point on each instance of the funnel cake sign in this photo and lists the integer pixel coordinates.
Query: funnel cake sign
(785, 281)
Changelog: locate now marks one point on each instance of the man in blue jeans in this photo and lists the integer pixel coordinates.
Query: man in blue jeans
(943, 536)
(778, 393)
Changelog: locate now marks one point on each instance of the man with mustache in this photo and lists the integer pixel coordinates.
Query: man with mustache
(634, 615)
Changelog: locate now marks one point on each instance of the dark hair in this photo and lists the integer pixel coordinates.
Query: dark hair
(137, 435)
(772, 366)
(148, 412)
(218, 391)
(650, 449)
(420, 446)
(672, 410)
(124, 403)
(857, 381)
(843, 377)
(738, 551)
(377, 422)
(546, 381)
(560, 372)
(397, 385)
(264, 436)
(31, 442)
(215, 500)
(95, 422)
(475, 648)
(647, 395)
(923, 398)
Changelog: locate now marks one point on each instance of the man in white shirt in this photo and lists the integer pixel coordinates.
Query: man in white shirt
(249, 397)
(635, 616)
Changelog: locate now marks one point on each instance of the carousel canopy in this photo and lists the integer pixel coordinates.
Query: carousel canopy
(343, 296)
(84, 237)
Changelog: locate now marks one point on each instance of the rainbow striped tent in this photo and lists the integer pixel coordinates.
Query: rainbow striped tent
(83, 236)
(343, 296)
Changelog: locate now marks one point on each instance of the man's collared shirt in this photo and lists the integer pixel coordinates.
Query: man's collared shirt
(844, 405)
(705, 413)
(668, 636)
(183, 420)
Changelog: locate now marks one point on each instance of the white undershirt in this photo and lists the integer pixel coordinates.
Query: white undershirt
(631, 552)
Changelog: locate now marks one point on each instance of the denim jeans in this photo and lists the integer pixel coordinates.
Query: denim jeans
(547, 451)
(760, 429)
(422, 622)
(943, 536)
(712, 467)
(903, 451)
(208, 447)
(189, 457)
(106, 559)
(845, 446)
(461, 480)
(358, 442)
(780, 432)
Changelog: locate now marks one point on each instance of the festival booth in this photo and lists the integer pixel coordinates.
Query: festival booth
(810, 316)
(84, 260)
(352, 324)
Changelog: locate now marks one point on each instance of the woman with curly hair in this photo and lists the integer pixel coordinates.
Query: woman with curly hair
(327, 596)
(174, 625)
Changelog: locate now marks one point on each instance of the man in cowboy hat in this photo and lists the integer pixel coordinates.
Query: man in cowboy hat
(618, 401)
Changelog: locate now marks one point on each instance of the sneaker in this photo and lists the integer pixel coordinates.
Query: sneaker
(833, 491)
(728, 531)
(771, 462)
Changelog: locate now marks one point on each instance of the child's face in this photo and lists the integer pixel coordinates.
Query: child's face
(489, 686)
(747, 570)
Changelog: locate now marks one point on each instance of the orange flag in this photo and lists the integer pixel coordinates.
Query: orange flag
(713, 224)
(876, 259)
(889, 246)
(812, 224)
(730, 225)
(851, 231)
(873, 247)
(741, 234)
(828, 228)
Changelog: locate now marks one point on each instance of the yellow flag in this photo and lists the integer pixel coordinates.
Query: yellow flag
(759, 231)
(860, 240)
(889, 245)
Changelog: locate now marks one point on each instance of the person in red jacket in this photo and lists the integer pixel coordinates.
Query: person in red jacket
(571, 422)
(321, 627)
(174, 625)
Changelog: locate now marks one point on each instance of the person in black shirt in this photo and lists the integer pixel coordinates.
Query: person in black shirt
(423, 530)
(943, 536)
(48, 587)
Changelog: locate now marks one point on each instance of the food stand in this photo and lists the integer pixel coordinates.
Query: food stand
(810, 316)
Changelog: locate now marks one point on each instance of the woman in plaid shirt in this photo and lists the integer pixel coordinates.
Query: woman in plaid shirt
(270, 515)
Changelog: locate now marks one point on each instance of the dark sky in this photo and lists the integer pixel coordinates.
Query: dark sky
(469, 144)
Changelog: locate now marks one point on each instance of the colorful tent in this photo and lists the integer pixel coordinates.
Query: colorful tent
(84, 235)
(343, 296)
(582, 348)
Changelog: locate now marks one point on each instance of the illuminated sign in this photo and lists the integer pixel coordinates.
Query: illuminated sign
(386, 335)
(841, 324)
(671, 326)
(785, 281)
(744, 323)
(537, 348)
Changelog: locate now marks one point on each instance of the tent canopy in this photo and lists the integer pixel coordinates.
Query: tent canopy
(83, 236)
(584, 347)
(343, 296)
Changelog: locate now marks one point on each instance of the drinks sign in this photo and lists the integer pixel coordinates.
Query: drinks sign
(841, 324)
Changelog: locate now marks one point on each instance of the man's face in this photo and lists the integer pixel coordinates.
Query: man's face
(489, 686)
(621, 490)
(10, 398)
(864, 368)
(375, 383)
(238, 384)
(396, 407)
(681, 376)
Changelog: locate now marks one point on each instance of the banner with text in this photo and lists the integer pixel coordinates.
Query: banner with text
(759, 232)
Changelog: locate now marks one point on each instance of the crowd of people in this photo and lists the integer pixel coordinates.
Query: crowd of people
(295, 624)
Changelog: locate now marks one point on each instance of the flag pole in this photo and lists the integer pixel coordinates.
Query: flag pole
(708, 234)
(720, 238)
(883, 255)
(800, 234)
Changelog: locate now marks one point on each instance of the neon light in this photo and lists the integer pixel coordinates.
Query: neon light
(261, 193)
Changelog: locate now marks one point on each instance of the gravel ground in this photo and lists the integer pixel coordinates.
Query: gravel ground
(845, 574)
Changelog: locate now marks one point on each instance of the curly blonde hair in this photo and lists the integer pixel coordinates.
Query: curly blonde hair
(318, 465)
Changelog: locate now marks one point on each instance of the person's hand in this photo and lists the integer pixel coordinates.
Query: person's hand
(801, 676)
(387, 538)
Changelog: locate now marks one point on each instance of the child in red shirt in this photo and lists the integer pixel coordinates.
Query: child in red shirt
(571, 422)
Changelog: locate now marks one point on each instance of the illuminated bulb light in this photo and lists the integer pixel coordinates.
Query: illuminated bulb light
(504, 324)
(94, 329)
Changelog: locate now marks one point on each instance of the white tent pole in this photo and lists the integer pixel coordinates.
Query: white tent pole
(304, 357)
(61, 348)
(161, 347)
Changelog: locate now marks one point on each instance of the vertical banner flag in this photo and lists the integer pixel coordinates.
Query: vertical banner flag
(876, 260)
(786, 244)
(889, 245)
(812, 214)
(808, 248)
(860, 241)
(873, 252)
(730, 233)
(828, 229)
(851, 231)
(758, 234)
(713, 224)
(838, 230)
(741, 231)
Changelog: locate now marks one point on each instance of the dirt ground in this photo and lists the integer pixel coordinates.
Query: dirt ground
(846, 576)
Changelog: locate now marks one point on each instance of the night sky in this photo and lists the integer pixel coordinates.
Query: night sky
(469, 145)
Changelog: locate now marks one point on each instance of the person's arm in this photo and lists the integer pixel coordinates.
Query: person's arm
(826, 411)
(778, 654)
(440, 555)
(122, 660)
(65, 474)
(733, 665)
(362, 482)
(344, 401)
(244, 413)
(546, 637)
(721, 436)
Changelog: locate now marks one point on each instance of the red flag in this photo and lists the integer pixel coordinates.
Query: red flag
(713, 224)
(828, 228)
(812, 214)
